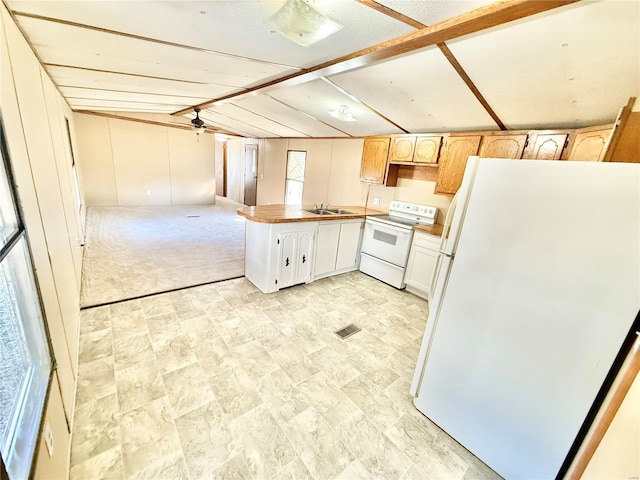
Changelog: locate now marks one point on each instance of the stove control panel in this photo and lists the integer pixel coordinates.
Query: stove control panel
(419, 213)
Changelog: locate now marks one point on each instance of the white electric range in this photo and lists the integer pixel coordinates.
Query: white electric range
(387, 240)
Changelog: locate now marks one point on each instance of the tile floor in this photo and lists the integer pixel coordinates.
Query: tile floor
(222, 381)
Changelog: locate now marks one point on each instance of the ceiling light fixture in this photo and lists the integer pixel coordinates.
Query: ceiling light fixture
(343, 113)
(197, 124)
(301, 23)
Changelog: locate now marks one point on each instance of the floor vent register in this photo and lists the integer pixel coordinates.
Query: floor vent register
(347, 331)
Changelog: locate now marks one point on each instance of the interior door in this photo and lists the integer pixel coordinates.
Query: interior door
(250, 174)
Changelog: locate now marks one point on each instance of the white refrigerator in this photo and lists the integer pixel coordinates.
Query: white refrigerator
(538, 288)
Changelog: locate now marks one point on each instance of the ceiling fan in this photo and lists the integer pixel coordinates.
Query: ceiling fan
(197, 124)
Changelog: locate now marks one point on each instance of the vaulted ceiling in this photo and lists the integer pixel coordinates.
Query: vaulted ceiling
(398, 65)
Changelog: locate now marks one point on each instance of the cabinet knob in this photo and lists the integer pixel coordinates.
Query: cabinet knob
(304, 258)
(286, 262)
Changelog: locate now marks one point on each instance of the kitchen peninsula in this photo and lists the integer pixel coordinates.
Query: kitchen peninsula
(287, 245)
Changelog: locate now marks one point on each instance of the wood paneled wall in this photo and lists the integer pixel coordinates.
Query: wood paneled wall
(33, 113)
(127, 163)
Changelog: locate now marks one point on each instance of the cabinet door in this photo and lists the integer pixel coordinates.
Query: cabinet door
(401, 149)
(420, 269)
(502, 146)
(349, 246)
(326, 248)
(304, 252)
(287, 260)
(548, 147)
(374, 159)
(590, 146)
(453, 162)
(427, 149)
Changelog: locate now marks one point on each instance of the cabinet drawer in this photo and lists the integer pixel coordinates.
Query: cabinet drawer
(426, 240)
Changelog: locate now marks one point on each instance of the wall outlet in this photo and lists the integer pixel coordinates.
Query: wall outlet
(148, 193)
(376, 201)
(48, 438)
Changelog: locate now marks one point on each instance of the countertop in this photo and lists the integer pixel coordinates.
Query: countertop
(296, 213)
(435, 229)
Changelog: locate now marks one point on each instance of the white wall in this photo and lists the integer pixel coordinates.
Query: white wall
(33, 114)
(131, 163)
(235, 169)
(332, 176)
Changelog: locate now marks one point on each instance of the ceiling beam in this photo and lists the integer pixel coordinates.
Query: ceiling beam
(445, 51)
(142, 120)
(471, 22)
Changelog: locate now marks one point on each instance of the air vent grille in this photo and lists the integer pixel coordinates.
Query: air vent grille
(347, 331)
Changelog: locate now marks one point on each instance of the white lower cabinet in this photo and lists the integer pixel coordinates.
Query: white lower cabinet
(279, 255)
(422, 263)
(295, 256)
(338, 247)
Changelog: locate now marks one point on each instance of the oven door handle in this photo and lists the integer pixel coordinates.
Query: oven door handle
(381, 225)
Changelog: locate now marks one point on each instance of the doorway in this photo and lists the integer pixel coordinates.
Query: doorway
(250, 174)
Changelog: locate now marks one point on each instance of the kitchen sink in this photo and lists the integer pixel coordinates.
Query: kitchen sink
(320, 211)
(339, 211)
(329, 211)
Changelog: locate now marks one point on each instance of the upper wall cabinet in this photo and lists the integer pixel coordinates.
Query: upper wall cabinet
(427, 149)
(590, 144)
(373, 168)
(417, 149)
(502, 146)
(546, 146)
(402, 148)
(453, 161)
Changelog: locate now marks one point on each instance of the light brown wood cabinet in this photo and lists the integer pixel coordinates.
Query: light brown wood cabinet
(453, 160)
(373, 168)
(423, 149)
(427, 149)
(401, 149)
(502, 146)
(589, 145)
(546, 146)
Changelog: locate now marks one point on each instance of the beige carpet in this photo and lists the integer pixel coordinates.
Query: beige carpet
(135, 251)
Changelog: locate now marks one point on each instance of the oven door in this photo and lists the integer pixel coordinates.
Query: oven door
(387, 242)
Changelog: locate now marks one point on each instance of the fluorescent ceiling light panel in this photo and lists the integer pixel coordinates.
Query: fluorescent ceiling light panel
(301, 23)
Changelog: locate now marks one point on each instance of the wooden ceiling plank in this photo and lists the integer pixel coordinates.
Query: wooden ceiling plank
(147, 39)
(270, 119)
(365, 105)
(137, 75)
(467, 80)
(307, 115)
(471, 22)
(126, 91)
(390, 12)
(122, 101)
(445, 51)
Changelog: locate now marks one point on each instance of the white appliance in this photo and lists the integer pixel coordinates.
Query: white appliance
(387, 240)
(537, 292)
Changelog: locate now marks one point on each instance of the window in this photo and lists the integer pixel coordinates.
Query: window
(24, 349)
(294, 185)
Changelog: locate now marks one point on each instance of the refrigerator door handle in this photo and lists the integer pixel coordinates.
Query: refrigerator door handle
(447, 222)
